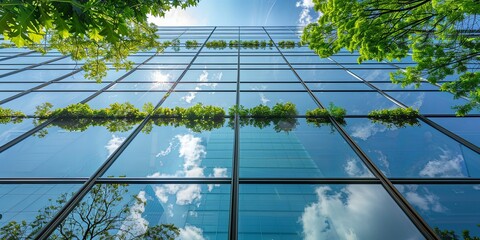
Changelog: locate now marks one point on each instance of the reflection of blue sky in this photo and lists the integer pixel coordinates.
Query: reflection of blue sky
(413, 151)
(203, 84)
(448, 207)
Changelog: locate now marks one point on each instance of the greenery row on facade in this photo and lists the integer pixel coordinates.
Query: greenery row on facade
(123, 116)
(247, 44)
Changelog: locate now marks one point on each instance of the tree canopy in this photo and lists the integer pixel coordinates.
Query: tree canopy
(97, 31)
(443, 38)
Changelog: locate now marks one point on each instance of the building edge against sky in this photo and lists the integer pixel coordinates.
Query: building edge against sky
(282, 180)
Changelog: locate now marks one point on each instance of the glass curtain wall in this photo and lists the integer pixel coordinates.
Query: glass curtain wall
(351, 179)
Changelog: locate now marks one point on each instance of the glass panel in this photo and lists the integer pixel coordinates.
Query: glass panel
(430, 102)
(446, 207)
(321, 212)
(9, 131)
(4, 95)
(142, 86)
(262, 59)
(172, 151)
(154, 75)
(210, 75)
(64, 149)
(325, 75)
(464, 127)
(197, 211)
(28, 102)
(309, 59)
(138, 99)
(306, 151)
(206, 86)
(215, 59)
(338, 86)
(355, 102)
(271, 86)
(26, 202)
(267, 75)
(75, 86)
(36, 75)
(17, 86)
(413, 151)
(188, 99)
(302, 100)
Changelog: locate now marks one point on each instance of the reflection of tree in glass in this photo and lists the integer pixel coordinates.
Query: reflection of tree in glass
(451, 235)
(398, 117)
(98, 216)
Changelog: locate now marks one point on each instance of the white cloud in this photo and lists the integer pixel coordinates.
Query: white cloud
(342, 214)
(160, 80)
(191, 233)
(422, 198)
(448, 165)
(305, 17)
(134, 224)
(354, 168)
(178, 17)
(367, 130)
(113, 144)
(192, 151)
(203, 79)
(220, 172)
(165, 152)
(264, 99)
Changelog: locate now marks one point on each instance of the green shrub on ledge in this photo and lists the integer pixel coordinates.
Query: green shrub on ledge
(216, 44)
(398, 117)
(191, 44)
(321, 116)
(8, 115)
(286, 44)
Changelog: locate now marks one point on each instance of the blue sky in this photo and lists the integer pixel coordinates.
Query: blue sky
(242, 13)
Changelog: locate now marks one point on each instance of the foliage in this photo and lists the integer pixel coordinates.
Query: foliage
(286, 44)
(282, 116)
(98, 216)
(321, 116)
(440, 35)
(8, 115)
(191, 44)
(216, 44)
(451, 235)
(397, 117)
(92, 30)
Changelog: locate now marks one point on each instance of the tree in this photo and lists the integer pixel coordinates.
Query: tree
(442, 36)
(96, 31)
(97, 217)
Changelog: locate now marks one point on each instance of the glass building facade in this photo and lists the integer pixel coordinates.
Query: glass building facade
(356, 179)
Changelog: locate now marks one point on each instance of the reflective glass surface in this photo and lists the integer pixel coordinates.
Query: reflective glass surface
(197, 211)
(167, 151)
(64, 149)
(27, 202)
(413, 151)
(295, 148)
(321, 212)
(467, 128)
(446, 207)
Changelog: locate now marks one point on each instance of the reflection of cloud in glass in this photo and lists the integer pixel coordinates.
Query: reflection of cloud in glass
(135, 224)
(203, 79)
(160, 80)
(192, 151)
(422, 198)
(354, 168)
(113, 144)
(365, 131)
(448, 165)
(191, 233)
(354, 213)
